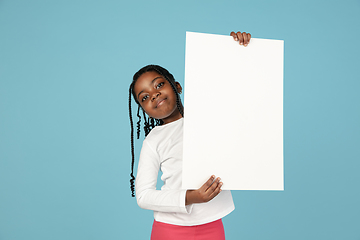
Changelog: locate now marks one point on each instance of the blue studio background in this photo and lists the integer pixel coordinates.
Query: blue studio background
(65, 68)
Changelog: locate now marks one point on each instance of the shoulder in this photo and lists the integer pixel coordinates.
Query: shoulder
(164, 136)
(161, 132)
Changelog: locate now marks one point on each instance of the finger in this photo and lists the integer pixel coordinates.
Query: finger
(234, 36)
(213, 186)
(240, 37)
(216, 191)
(246, 41)
(208, 183)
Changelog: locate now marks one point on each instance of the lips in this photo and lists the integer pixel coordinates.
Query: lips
(160, 102)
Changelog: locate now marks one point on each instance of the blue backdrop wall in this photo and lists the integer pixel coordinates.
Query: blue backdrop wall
(65, 68)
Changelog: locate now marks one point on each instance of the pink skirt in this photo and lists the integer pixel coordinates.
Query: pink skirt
(209, 231)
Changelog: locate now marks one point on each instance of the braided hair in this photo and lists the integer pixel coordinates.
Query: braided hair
(149, 123)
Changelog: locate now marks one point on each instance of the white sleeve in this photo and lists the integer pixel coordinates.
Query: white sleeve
(147, 196)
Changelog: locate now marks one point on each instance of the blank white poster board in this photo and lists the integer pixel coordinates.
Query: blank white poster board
(233, 125)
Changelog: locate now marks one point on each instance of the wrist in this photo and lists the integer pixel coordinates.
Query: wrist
(188, 197)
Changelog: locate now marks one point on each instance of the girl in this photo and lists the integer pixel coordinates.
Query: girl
(178, 213)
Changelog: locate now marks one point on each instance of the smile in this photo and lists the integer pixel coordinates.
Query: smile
(160, 102)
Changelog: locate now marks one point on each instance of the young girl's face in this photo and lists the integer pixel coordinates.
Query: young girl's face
(156, 97)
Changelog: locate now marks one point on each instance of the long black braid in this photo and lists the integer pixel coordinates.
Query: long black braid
(146, 124)
(138, 123)
(132, 178)
(149, 123)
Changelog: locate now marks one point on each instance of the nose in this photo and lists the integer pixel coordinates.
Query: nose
(155, 95)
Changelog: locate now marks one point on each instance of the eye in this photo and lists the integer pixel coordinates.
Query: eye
(159, 85)
(144, 98)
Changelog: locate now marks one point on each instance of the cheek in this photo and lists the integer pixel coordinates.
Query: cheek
(146, 107)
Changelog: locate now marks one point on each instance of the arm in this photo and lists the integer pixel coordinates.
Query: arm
(172, 200)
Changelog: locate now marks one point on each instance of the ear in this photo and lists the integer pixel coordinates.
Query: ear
(178, 87)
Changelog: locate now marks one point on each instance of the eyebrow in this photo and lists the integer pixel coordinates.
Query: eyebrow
(150, 84)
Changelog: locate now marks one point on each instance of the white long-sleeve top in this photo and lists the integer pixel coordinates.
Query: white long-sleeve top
(162, 150)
